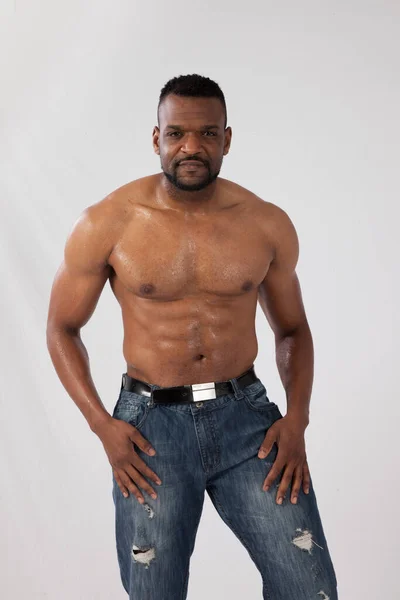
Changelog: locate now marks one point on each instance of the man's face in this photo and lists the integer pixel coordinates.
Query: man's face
(191, 140)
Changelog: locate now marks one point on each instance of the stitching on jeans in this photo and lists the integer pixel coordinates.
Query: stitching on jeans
(262, 409)
(217, 407)
(147, 410)
(199, 443)
(217, 448)
(213, 493)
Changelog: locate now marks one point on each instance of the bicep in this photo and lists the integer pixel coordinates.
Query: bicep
(279, 294)
(81, 276)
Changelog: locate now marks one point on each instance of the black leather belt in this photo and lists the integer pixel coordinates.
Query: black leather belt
(194, 392)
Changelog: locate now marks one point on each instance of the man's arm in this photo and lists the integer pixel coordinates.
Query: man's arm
(281, 301)
(76, 289)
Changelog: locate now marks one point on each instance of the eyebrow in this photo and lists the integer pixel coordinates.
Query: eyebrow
(179, 128)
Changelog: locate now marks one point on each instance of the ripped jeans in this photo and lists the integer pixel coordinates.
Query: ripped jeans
(212, 446)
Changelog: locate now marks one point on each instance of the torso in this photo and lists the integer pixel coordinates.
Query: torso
(187, 284)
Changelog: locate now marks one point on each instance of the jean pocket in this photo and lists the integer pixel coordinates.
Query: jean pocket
(257, 399)
(132, 408)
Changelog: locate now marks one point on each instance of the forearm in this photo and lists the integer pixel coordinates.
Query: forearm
(71, 362)
(295, 362)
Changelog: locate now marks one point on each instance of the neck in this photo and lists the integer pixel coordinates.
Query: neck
(198, 201)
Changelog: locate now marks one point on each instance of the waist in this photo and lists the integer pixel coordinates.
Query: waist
(189, 392)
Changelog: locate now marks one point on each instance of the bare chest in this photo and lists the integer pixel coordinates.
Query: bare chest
(164, 257)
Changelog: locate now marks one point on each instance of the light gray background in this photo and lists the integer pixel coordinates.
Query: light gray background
(313, 98)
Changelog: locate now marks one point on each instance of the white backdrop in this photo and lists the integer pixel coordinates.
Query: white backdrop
(313, 96)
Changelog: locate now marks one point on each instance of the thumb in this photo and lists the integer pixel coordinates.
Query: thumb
(267, 444)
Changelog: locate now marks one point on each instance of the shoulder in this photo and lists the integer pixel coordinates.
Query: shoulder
(99, 226)
(114, 207)
(111, 212)
(283, 235)
(275, 222)
(271, 214)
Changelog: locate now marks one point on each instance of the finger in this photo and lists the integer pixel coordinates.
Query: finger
(140, 480)
(141, 442)
(121, 486)
(141, 466)
(296, 485)
(274, 472)
(306, 478)
(128, 483)
(284, 484)
(266, 446)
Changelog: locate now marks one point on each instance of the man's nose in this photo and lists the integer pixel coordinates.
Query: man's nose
(191, 144)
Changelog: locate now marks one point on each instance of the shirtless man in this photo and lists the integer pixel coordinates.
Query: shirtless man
(187, 255)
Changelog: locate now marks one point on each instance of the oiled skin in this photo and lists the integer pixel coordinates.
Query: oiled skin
(187, 255)
(187, 283)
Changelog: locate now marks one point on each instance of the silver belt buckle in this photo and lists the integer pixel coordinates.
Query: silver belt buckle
(203, 391)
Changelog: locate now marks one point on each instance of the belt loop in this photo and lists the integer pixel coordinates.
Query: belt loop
(153, 386)
(236, 389)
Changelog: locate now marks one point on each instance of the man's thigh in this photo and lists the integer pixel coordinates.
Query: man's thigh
(287, 541)
(155, 540)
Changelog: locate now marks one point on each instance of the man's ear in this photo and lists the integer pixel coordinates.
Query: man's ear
(156, 137)
(228, 139)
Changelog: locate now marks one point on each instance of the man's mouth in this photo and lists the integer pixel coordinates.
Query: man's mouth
(191, 163)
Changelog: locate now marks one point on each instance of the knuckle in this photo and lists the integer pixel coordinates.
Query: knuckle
(278, 467)
(287, 480)
(119, 462)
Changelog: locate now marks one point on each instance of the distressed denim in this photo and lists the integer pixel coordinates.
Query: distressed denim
(212, 446)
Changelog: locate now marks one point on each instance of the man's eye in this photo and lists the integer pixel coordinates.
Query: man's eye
(175, 133)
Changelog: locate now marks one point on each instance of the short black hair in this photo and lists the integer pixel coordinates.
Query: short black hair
(193, 85)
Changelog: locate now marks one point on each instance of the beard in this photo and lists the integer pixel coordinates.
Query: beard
(185, 184)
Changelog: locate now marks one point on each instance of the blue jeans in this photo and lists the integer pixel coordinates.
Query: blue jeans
(212, 446)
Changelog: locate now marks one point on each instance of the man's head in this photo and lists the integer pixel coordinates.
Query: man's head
(192, 121)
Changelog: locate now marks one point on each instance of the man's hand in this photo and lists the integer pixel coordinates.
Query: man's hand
(117, 437)
(289, 437)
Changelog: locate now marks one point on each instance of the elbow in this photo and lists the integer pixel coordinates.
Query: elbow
(300, 329)
(55, 330)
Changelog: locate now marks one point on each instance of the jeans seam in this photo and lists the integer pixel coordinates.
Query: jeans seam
(261, 409)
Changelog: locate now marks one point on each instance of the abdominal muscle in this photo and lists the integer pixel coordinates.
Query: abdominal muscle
(190, 340)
